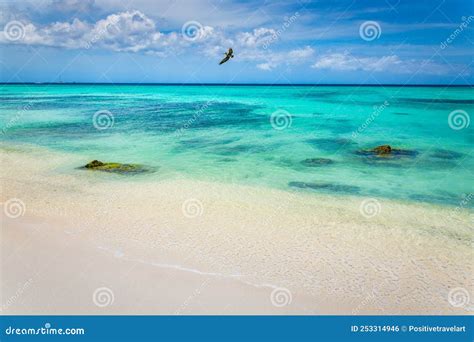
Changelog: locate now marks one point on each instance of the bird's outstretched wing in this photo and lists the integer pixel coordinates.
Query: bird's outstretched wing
(226, 58)
(228, 55)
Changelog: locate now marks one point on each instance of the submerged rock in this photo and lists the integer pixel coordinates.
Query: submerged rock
(325, 186)
(383, 149)
(387, 151)
(93, 164)
(117, 167)
(312, 162)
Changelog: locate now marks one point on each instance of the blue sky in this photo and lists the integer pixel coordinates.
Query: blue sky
(376, 42)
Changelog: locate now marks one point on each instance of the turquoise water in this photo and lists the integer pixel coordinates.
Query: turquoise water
(228, 134)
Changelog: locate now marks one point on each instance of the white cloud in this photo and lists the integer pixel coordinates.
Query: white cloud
(213, 13)
(257, 38)
(274, 59)
(390, 63)
(303, 53)
(125, 31)
(133, 31)
(266, 66)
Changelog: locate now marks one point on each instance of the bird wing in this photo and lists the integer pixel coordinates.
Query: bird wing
(226, 58)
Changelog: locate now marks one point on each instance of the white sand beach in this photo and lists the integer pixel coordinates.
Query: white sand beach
(180, 246)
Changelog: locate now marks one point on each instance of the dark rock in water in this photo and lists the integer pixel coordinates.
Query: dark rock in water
(93, 164)
(313, 162)
(116, 167)
(446, 154)
(387, 151)
(325, 186)
(383, 149)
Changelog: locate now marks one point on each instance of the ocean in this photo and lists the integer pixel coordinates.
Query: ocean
(312, 139)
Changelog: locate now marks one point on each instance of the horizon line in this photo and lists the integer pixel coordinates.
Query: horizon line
(241, 84)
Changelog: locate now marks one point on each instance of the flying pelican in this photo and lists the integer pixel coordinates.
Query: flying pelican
(228, 55)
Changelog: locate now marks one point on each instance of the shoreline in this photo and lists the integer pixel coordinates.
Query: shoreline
(331, 259)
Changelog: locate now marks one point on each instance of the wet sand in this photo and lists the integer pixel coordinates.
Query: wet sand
(181, 246)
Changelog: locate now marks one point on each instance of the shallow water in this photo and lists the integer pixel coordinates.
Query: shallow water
(225, 133)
